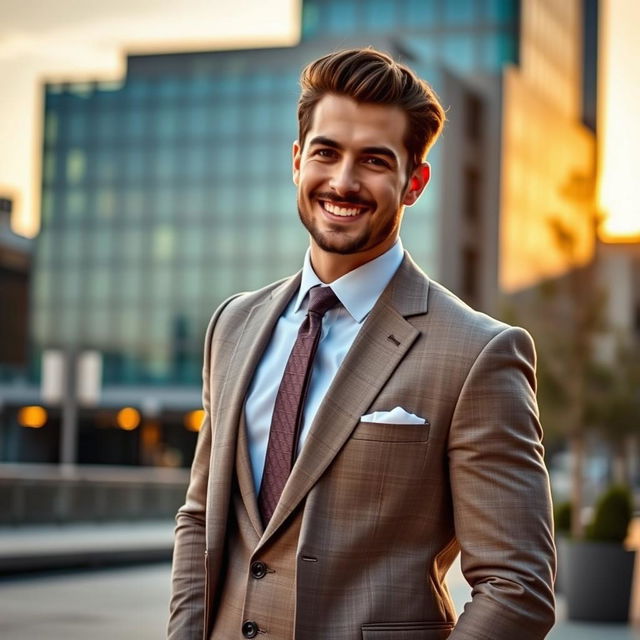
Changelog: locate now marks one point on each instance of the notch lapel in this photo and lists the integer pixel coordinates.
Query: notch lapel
(368, 365)
(228, 448)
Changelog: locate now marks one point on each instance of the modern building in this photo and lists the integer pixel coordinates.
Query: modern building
(169, 190)
(15, 269)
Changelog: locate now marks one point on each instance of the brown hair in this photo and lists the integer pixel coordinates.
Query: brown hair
(370, 76)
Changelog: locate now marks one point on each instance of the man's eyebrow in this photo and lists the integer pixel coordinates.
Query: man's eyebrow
(375, 151)
(325, 142)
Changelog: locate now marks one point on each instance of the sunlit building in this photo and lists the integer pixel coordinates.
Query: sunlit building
(169, 190)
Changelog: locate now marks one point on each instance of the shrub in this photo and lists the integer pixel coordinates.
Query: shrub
(562, 517)
(612, 516)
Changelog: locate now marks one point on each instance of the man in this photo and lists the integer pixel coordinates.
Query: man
(358, 436)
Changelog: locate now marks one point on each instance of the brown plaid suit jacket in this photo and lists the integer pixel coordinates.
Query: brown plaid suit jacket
(373, 515)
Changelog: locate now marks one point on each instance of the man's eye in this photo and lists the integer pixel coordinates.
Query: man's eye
(325, 153)
(379, 162)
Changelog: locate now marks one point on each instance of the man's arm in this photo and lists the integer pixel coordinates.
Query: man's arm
(501, 497)
(186, 609)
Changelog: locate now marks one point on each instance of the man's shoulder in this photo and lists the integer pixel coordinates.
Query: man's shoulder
(461, 324)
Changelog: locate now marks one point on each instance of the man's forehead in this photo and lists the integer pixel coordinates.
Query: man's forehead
(359, 123)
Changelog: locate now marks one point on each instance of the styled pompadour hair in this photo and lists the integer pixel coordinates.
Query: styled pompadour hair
(370, 76)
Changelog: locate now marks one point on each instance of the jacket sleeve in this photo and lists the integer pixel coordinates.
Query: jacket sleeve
(501, 496)
(187, 604)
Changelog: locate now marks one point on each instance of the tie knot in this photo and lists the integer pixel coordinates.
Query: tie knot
(321, 299)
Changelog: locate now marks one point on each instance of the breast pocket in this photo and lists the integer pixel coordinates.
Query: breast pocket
(380, 432)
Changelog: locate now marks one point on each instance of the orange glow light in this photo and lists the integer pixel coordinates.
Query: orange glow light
(193, 420)
(128, 418)
(618, 124)
(32, 417)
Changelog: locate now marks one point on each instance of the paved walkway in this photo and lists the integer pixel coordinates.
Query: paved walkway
(39, 548)
(36, 548)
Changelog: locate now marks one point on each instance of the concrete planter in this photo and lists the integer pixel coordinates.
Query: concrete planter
(596, 580)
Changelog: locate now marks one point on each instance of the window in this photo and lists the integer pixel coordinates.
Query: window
(310, 18)
(474, 116)
(469, 274)
(76, 204)
(97, 286)
(103, 246)
(197, 121)
(76, 165)
(340, 16)
(51, 128)
(163, 243)
(502, 10)
(105, 203)
(460, 12)
(134, 123)
(460, 53)
(380, 15)
(49, 167)
(421, 13)
(76, 125)
(471, 194)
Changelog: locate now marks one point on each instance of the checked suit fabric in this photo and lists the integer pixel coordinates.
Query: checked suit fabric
(287, 412)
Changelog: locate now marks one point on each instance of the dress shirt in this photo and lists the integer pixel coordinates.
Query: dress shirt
(357, 291)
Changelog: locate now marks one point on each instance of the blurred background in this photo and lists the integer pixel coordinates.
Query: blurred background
(146, 176)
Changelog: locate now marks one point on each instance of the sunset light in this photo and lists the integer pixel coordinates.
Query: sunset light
(619, 187)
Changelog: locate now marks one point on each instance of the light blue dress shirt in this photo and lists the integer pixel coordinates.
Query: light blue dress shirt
(358, 291)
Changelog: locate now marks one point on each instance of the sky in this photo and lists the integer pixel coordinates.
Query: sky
(87, 39)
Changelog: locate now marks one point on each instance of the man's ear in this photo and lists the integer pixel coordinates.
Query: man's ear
(295, 152)
(417, 182)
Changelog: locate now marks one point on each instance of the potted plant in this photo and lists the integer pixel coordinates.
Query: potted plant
(562, 529)
(597, 571)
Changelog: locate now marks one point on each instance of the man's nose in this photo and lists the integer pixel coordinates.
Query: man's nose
(344, 179)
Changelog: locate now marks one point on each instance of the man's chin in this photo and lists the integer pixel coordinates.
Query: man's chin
(340, 246)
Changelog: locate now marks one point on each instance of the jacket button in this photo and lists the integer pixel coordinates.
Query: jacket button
(258, 569)
(249, 629)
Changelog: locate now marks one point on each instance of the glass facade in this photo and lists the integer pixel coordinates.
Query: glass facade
(166, 193)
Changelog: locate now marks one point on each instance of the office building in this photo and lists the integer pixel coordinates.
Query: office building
(167, 191)
(15, 268)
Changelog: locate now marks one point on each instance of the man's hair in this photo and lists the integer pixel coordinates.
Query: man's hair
(370, 76)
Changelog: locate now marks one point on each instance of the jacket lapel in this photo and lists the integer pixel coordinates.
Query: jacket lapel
(253, 340)
(381, 344)
(245, 479)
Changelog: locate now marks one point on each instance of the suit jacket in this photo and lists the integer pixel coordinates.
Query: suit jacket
(373, 515)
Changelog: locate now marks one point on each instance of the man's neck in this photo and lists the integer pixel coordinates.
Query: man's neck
(331, 266)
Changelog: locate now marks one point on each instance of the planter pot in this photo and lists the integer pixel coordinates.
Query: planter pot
(561, 545)
(596, 580)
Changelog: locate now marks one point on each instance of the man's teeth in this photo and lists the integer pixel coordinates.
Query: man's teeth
(341, 211)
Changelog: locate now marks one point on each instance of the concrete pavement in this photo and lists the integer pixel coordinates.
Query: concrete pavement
(41, 548)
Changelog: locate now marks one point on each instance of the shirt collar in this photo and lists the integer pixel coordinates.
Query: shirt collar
(359, 289)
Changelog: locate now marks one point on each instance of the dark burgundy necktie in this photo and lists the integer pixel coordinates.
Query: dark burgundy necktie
(287, 412)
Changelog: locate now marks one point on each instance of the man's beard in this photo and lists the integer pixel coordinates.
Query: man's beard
(337, 241)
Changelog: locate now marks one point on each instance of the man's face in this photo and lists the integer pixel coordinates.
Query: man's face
(352, 177)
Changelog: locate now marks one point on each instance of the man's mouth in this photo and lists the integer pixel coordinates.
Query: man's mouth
(346, 210)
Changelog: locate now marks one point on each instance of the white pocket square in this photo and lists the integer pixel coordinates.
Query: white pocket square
(395, 416)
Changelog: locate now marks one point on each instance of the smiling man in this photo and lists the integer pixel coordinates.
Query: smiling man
(363, 425)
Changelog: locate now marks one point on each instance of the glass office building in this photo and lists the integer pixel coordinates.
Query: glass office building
(165, 194)
(168, 191)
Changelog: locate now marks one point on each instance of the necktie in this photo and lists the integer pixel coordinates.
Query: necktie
(287, 412)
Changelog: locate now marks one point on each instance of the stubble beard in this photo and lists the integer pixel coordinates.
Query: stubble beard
(337, 241)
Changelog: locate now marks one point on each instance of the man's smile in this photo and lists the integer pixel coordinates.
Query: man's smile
(342, 210)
